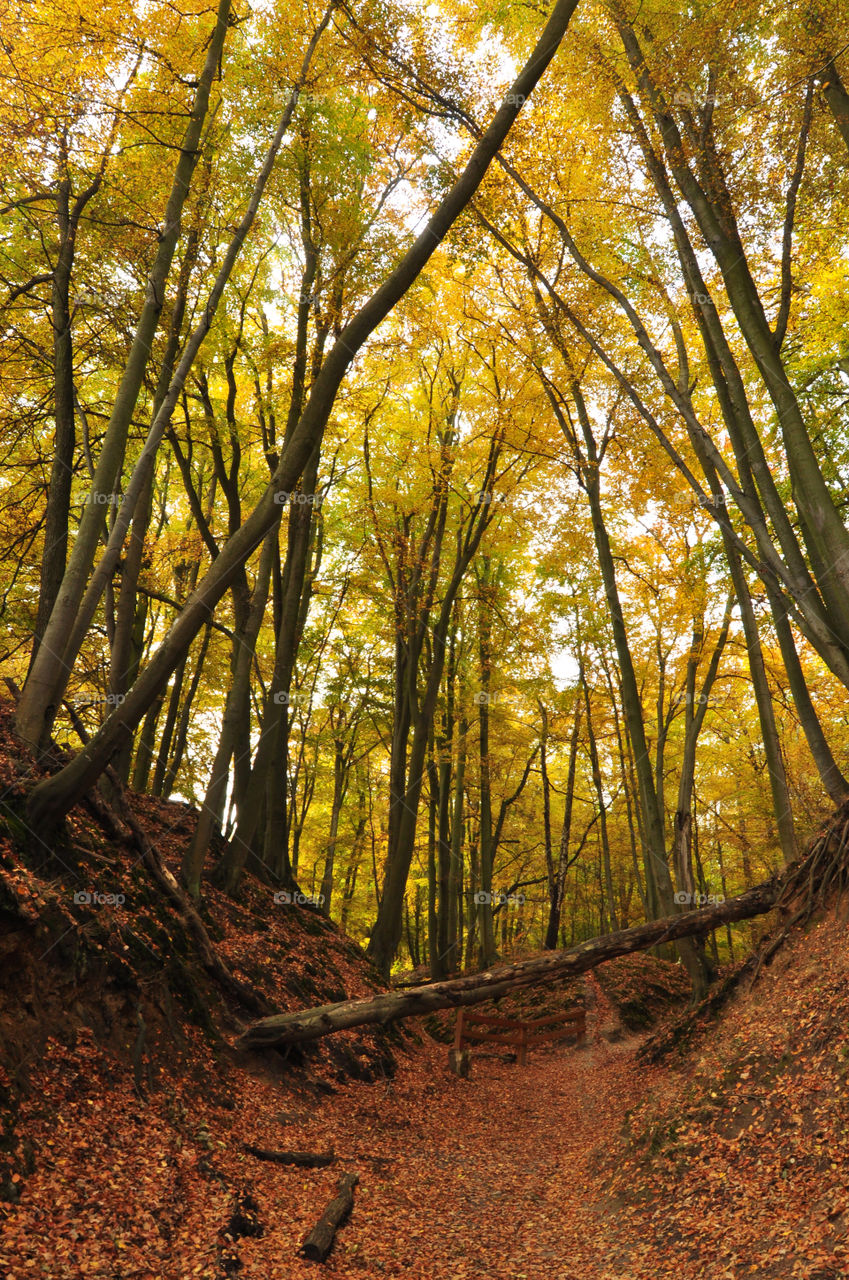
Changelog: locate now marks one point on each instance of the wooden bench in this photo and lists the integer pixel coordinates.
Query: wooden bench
(486, 1028)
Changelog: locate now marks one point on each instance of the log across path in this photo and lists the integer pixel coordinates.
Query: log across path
(311, 1024)
(491, 1178)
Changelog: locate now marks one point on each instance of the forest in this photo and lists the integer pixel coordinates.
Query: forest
(423, 485)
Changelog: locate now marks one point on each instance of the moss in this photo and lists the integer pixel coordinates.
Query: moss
(14, 829)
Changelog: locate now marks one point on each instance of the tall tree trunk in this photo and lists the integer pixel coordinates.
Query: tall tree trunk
(49, 802)
(557, 880)
(658, 880)
(386, 933)
(628, 789)
(341, 767)
(125, 652)
(766, 712)
(145, 748)
(455, 881)
(695, 709)
(48, 674)
(488, 950)
(432, 886)
(181, 736)
(270, 767)
(823, 529)
(444, 841)
(55, 549)
(238, 697)
(352, 869)
(129, 619)
(830, 773)
(168, 729)
(602, 807)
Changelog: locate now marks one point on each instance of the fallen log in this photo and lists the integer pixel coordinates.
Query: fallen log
(303, 1159)
(311, 1024)
(319, 1242)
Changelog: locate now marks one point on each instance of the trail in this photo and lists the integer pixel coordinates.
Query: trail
(486, 1177)
(503, 1176)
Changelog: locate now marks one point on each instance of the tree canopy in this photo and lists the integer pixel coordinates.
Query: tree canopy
(424, 449)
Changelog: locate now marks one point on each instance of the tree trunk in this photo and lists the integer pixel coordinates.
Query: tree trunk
(488, 950)
(129, 616)
(48, 674)
(694, 716)
(312, 1024)
(51, 800)
(269, 773)
(146, 743)
(445, 750)
(766, 711)
(602, 808)
(341, 765)
(181, 737)
(209, 819)
(557, 882)
(824, 532)
(55, 549)
(405, 801)
(319, 1242)
(830, 773)
(432, 890)
(455, 880)
(354, 861)
(659, 888)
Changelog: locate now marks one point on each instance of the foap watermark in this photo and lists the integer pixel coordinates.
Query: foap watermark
(484, 898)
(95, 499)
(297, 499)
(698, 899)
(311, 98)
(698, 699)
(693, 101)
(703, 500)
(284, 699)
(519, 503)
(283, 898)
(91, 898)
(110, 699)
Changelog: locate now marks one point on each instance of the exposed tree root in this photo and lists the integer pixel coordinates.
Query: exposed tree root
(815, 881)
(678, 1032)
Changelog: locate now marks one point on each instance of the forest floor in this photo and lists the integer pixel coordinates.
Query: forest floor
(489, 1176)
(125, 1111)
(521, 1173)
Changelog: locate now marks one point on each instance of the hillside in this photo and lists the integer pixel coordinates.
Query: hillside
(739, 1151)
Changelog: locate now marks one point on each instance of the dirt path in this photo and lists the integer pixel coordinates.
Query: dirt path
(497, 1177)
(486, 1177)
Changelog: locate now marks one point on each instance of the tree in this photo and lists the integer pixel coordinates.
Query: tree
(52, 798)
